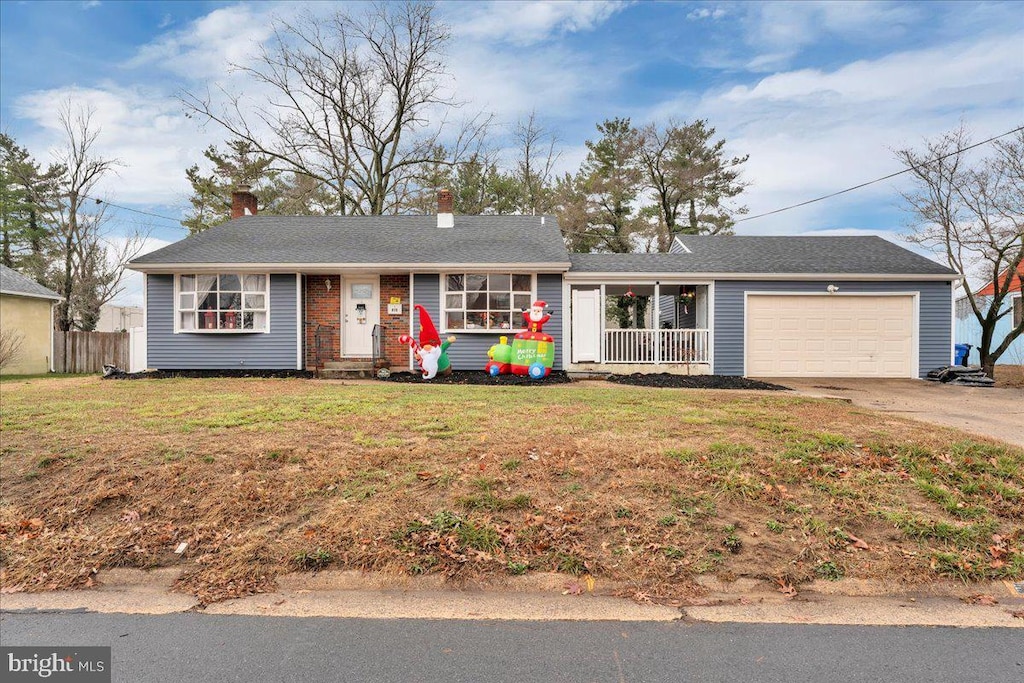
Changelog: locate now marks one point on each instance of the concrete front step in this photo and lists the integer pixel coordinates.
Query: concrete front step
(355, 364)
(348, 369)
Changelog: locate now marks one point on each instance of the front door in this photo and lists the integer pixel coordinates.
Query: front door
(360, 311)
(586, 325)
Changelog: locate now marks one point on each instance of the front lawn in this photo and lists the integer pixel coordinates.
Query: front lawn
(637, 487)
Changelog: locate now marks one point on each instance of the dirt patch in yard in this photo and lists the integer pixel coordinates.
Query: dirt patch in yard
(665, 380)
(1010, 376)
(197, 374)
(238, 481)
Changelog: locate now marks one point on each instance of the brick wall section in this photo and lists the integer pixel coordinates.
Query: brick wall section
(395, 325)
(323, 307)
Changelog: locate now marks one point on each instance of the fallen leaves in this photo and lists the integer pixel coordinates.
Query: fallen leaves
(998, 550)
(130, 516)
(786, 587)
(980, 599)
(579, 586)
(857, 542)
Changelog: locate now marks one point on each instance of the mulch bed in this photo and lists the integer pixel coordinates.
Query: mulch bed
(660, 380)
(477, 377)
(667, 381)
(169, 374)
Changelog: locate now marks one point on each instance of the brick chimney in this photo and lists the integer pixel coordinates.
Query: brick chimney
(445, 209)
(243, 202)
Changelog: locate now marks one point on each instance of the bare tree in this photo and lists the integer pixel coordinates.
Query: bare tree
(535, 164)
(974, 216)
(86, 266)
(357, 103)
(10, 347)
(691, 178)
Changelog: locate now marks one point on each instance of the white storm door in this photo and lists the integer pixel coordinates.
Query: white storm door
(360, 311)
(586, 325)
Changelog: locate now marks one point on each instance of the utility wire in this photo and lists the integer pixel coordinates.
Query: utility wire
(126, 208)
(878, 180)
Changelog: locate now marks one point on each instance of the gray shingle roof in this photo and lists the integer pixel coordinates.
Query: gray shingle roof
(13, 282)
(370, 239)
(801, 255)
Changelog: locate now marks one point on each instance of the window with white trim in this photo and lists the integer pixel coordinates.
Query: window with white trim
(486, 301)
(225, 302)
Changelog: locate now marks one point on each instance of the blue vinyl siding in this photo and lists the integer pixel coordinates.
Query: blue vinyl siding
(933, 329)
(273, 350)
(968, 331)
(470, 351)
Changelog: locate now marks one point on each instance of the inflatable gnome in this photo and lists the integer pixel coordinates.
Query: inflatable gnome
(429, 351)
(533, 352)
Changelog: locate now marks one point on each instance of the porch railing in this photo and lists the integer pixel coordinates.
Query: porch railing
(656, 346)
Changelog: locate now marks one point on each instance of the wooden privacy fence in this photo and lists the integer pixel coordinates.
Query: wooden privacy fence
(89, 351)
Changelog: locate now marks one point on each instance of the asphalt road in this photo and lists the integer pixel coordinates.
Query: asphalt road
(198, 647)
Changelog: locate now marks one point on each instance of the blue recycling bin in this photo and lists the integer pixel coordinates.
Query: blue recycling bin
(961, 353)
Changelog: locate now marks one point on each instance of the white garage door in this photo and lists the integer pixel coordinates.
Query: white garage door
(830, 336)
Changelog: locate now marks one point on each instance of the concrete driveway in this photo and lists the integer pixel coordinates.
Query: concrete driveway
(996, 412)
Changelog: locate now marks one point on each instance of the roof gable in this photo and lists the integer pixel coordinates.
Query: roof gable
(13, 282)
(1015, 282)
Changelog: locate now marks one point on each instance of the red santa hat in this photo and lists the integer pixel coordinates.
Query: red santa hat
(428, 333)
(540, 304)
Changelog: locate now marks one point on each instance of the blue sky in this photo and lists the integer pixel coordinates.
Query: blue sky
(819, 94)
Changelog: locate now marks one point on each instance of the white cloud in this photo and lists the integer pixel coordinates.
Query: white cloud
(526, 23)
(143, 129)
(812, 132)
(780, 30)
(938, 76)
(207, 47)
(706, 13)
(551, 79)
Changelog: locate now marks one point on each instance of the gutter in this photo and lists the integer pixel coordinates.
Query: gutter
(634, 276)
(334, 268)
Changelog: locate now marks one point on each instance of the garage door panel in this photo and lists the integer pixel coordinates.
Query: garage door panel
(815, 346)
(829, 336)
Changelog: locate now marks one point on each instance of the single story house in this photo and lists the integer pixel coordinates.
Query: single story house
(273, 292)
(26, 323)
(968, 329)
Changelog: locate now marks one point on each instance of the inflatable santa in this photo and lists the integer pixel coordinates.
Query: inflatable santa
(533, 351)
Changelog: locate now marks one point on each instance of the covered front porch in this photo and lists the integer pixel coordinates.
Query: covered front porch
(640, 326)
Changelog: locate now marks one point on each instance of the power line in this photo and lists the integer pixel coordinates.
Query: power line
(127, 208)
(878, 180)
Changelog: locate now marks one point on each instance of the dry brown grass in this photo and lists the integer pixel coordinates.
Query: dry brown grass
(1010, 376)
(645, 487)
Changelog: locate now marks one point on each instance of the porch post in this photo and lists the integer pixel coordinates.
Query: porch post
(600, 329)
(656, 323)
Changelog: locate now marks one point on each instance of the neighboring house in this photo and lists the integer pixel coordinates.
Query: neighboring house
(119, 318)
(26, 320)
(968, 329)
(295, 292)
